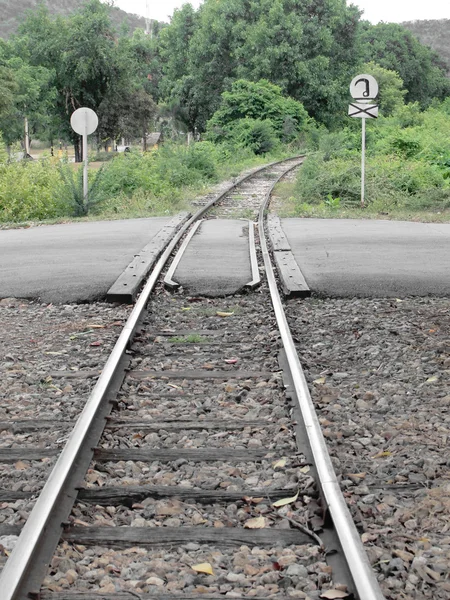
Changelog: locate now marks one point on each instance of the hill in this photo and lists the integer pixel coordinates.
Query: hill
(435, 34)
(12, 12)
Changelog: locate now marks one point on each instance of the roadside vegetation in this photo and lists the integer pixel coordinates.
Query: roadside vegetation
(407, 169)
(245, 86)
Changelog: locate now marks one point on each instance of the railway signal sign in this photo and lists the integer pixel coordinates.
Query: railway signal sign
(363, 111)
(84, 121)
(363, 88)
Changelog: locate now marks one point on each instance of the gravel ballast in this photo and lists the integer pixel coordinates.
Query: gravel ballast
(379, 374)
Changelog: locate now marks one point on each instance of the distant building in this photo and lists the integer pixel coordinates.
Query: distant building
(153, 140)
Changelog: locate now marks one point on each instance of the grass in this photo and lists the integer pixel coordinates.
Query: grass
(188, 339)
(159, 183)
(287, 205)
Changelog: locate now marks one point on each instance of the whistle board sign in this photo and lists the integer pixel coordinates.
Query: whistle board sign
(364, 87)
(363, 111)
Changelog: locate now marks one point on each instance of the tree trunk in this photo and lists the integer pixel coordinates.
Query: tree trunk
(144, 141)
(77, 149)
(27, 138)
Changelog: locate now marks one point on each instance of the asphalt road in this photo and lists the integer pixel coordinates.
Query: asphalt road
(74, 262)
(78, 262)
(371, 258)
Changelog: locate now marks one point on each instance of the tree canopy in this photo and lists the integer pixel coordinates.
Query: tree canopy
(63, 63)
(277, 61)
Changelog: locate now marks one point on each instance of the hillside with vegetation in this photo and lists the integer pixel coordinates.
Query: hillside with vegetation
(246, 81)
(13, 12)
(435, 34)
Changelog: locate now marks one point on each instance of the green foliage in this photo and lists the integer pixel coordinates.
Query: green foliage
(391, 93)
(305, 47)
(31, 190)
(406, 167)
(33, 98)
(157, 175)
(257, 135)
(260, 101)
(3, 152)
(15, 11)
(72, 190)
(81, 61)
(395, 48)
(434, 33)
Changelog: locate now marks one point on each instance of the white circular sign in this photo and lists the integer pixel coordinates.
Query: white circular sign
(84, 121)
(364, 87)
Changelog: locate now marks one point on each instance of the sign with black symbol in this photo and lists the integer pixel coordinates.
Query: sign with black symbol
(363, 111)
(364, 87)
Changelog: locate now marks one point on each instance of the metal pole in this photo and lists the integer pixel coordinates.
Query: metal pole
(363, 162)
(85, 168)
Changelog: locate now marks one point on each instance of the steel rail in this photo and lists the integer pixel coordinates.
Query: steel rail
(27, 548)
(361, 571)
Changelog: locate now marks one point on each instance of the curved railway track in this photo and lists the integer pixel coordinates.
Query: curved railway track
(204, 474)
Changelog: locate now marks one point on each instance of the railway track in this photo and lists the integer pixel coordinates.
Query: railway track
(197, 468)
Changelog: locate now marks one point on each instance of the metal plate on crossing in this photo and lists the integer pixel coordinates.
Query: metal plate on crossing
(364, 87)
(84, 121)
(363, 111)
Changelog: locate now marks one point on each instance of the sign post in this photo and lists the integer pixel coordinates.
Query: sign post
(363, 88)
(84, 121)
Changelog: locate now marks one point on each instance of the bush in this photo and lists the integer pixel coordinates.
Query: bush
(407, 166)
(31, 190)
(259, 136)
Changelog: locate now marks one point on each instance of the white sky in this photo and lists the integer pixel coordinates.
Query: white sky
(374, 10)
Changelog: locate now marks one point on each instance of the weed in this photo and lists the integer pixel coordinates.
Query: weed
(332, 202)
(188, 339)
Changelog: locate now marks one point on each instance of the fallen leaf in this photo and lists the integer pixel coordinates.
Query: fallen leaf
(20, 466)
(186, 308)
(357, 475)
(251, 500)
(368, 537)
(406, 556)
(219, 313)
(285, 501)
(279, 464)
(432, 379)
(257, 523)
(305, 469)
(81, 523)
(203, 568)
(334, 594)
(382, 454)
(319, 381)
(97, 343)
(231, 361)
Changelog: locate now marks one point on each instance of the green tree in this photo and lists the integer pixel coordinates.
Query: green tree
(259, 101)
(391, 94)
(8, 83)
(92, 66)
(396, 49)
(304, 46)
(32, 102)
